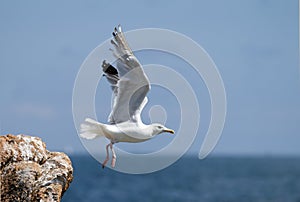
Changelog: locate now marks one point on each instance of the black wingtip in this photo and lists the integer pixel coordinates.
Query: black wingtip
(111, 70)
(113, 42)
(108, 68)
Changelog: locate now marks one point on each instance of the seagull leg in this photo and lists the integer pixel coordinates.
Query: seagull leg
(114, 156)
(107, 156)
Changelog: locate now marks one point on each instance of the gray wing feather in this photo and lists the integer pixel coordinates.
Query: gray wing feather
(130, 85)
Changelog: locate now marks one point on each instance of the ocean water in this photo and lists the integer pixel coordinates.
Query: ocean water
(232, 179)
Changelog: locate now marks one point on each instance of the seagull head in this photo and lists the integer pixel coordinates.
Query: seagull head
(158, 128)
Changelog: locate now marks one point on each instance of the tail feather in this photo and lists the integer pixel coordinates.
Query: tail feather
(90, 129)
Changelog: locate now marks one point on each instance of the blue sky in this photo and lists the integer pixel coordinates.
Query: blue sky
(254, 44)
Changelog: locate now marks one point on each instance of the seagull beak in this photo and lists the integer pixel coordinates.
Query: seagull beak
(169, 131)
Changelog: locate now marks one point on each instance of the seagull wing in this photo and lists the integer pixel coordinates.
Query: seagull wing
(128, 81)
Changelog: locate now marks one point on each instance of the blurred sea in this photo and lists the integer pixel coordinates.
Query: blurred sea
(232, 179)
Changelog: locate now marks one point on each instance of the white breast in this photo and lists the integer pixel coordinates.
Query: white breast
(127, 132)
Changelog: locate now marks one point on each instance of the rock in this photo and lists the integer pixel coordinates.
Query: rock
(29, 172)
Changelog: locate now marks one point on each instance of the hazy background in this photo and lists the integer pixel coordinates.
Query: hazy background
(254, 44)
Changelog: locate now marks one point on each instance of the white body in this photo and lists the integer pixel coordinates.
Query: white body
(123, 132)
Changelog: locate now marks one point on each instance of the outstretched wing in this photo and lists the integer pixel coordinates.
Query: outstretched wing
(129, 82)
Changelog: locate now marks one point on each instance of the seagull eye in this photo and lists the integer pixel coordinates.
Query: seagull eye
(159, 127)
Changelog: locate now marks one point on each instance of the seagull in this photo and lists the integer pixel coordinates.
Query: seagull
(130, 86)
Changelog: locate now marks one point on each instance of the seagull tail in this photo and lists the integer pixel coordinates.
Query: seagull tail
(90, 129)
